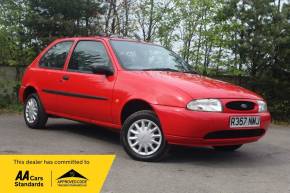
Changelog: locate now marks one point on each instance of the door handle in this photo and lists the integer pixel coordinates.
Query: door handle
(65, 77)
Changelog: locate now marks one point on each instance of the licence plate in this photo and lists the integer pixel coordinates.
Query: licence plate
(244, 121)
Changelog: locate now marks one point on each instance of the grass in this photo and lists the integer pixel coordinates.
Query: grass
(11, 108)
(282, 123)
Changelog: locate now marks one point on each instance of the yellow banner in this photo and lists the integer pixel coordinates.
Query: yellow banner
(54, 173)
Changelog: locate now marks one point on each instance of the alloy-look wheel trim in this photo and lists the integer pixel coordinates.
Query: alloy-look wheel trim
(144, 137)
(31, 110)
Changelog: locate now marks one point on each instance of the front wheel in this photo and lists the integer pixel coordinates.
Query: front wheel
(34, 114)
(142, 137)
(227, 148)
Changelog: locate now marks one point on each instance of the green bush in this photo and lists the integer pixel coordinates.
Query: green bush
(277, 95)
(9, 94)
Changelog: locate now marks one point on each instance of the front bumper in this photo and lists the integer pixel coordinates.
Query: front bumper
(184, 127)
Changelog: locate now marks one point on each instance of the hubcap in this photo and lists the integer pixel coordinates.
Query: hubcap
(144, 137)
(31, 110)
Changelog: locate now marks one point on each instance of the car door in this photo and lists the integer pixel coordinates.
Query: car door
(87, 95)
(49, 72)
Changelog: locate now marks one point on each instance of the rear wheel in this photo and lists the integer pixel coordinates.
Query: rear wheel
(227, 148)
(34, 114)
(142, 137)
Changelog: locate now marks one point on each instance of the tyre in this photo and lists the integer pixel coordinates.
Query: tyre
(142, 137)
(34, 114)
(227, 148)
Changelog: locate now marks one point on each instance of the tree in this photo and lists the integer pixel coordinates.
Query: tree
(119, 18)
(200, 32)
(149, 13)
(252, 40)
(15, 50)
(50, 19)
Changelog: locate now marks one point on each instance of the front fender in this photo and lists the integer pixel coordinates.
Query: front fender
(130, 86)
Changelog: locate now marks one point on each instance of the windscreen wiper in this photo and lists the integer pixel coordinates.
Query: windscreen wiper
(190, 72)
(169, 70)
(162, 69)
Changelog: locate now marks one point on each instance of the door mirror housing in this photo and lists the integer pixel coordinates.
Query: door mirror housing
(102, 69)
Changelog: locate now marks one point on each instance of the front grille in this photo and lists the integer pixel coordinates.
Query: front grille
(227, 134)
(241, 105)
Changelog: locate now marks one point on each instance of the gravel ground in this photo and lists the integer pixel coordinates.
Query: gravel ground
(258, 167)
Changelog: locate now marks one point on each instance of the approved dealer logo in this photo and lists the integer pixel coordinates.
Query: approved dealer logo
(72, 178)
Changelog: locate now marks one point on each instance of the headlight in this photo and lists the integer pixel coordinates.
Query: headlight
(210, 105)
(262, 106)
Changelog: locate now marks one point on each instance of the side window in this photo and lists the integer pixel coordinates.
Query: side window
(55, 57)
(87, 54)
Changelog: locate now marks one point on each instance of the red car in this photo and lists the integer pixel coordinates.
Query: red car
(145, 91)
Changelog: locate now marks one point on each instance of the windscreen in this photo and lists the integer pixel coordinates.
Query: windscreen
(143, 56)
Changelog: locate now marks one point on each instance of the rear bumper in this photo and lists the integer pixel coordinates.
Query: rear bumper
(184, 127)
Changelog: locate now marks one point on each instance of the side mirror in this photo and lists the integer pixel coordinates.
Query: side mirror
(102, 69)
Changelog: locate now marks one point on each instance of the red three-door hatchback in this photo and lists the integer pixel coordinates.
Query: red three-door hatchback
(145, 91)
